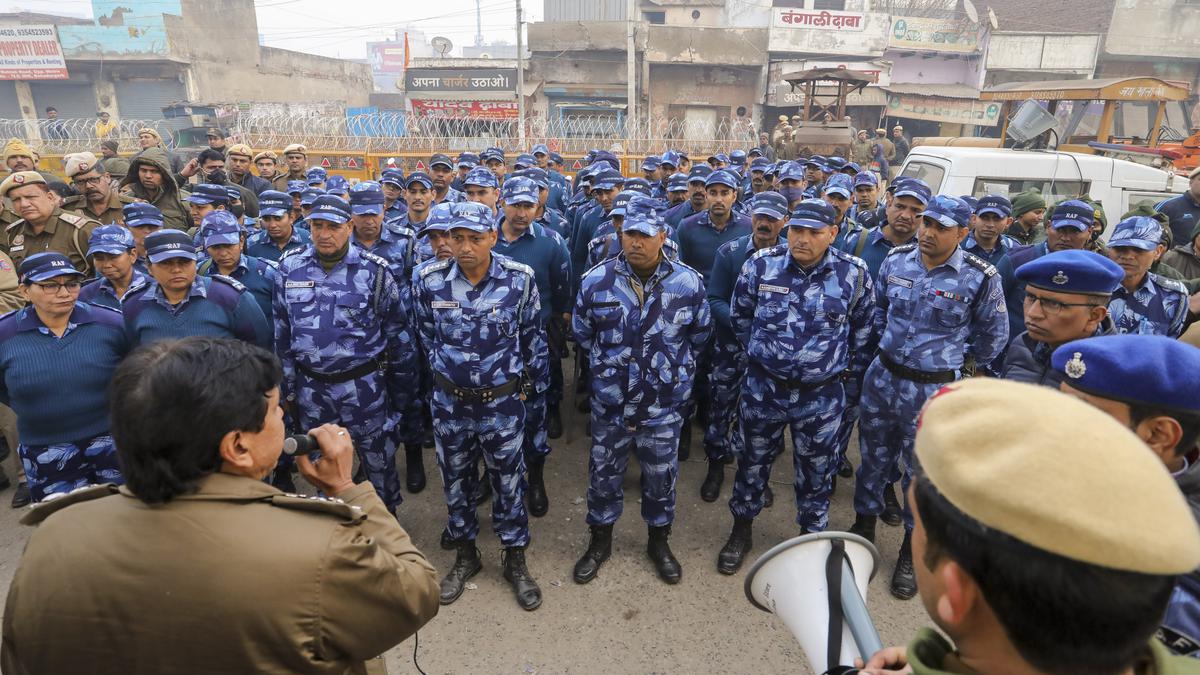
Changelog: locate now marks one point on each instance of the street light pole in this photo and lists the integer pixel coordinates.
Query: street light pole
(520, 81)
(630, 68)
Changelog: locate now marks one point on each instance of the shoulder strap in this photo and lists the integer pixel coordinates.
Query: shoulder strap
(205, 266)
(861, 244)
(224, 293)
(379, 272)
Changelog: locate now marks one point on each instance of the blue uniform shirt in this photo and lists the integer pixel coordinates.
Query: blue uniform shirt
(256, 274)
(216, 306)
(699, 240)
(396, 244)
(727, 265)
(676, 214)
(259, 244)
(927, 319)
(874, 249)
(545, 252)
(552, 219)
(642, 340)
(100, 291)
(1159, 306)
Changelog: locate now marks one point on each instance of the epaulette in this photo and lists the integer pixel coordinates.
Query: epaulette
(76, 220)
(126, 198)
(15, 223)
(349, 513)
(42, 510)
(70, 202)
(770, 250)
(402, 230)
(1168, 284)
(377, 259)
(237, 285)
(983, 265)
(596, 241)
(842, 255)
(291, 252)
(903, 248)
(430, 266)
(510, 264)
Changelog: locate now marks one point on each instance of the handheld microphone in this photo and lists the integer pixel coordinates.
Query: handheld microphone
(300, 444)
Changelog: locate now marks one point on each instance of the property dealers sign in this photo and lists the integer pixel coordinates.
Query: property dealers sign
(31, 53)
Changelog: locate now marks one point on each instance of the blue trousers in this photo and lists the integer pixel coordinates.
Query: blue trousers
(465, 432)
(536, 443)
(723, 436)
(768, 407)
(362, 406)
(62, 467)
(657, 451)
(850, 417)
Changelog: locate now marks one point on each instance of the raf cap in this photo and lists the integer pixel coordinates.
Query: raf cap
(520, 190)
(331, 208)
(791, 171)
(274, 203)
(816, 161)
(439, 218)
(759, 163)
(719, 157)
(948, 211)
(207, 193)
(915, 188)
(112, 239)
(309, 196)
(1068, 479)
(392, 177)
(219, 228)
(540, 149)
(79, 162)
(524, 161)
(670, 158)
(1074, 214)
(852, 168)
(993, 204)
(419, 177)
(620, 201)
(43, 266)
(492, 154)
(440, 159)
(1072, 271)
(316, 175)
(724, 177)
(295, 149)
(337, 185)
(536, 174)
(641, 215)
(1139, 232)
(737, 157)
(556, 158)
(677, 182)
(481, 177)
(366, 197)
(1145, 370)
(971, 202)
(754, 152)
(638, 185)
(471, 216)
(651, 163)
(700, 173)
(240, 149)
(233, 193)
(295, 187)
(865, 178)
(835, 163)
(770, 204)
(138, 214)
(607, 179)
(608, 158)
(840, 184)
(19, 179)
(813, 214)
(166, 244)
(467, 160)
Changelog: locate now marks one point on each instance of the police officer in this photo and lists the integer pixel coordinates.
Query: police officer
(1070, 229)
(315, 177)
(606, 183)
(803, 311)
(1028, 207)
(547, 216)
(267, 165)
(98, 198)
(204, 199)
(1146, 303)
(278, 235)
(815, 173)
(607, 242)
(932, 300)
(1066, 298)
(478, 317)
(493, 160)
(697, 199)
(993, 216)
(527, 242)
(723, 435)
(295, 156)
(114, 255)
(179, 303)
(441, 171)
(392, 184)
(223, 239)
(838, 192)
(677, 189)
(868, 210)
(43, 226)
(56, 359)
(481, 186)
(700, 235)
(792, 182)
(643, 321)
(238, 162)
(142, 219)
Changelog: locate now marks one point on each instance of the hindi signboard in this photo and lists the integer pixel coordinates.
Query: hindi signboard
(461, 79)
(31, 53)
(938, 109)
(488, 110)
(863, 34)
(934, 35)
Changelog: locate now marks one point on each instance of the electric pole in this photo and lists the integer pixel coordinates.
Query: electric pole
(630, 68)
(520, 80)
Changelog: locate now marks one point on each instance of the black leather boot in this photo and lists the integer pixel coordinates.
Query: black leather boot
(659, 551)
(414, 468)
(529, 596)
(710, 489)
(21, 496)
(447, 543)
(553, 422)
(741, 540)
(599, 548)
(845, 468)
(893, 513)
(685, 439)
(466, 565)
(768, 497)
(864, 526)
(904, 580)
(539, 503)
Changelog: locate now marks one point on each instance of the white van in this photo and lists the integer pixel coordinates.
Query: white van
(1117, 184)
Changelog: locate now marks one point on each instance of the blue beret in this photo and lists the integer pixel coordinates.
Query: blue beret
(1072, 271)
(1147, 370)
(770, 204)
(813, 214)
(47, 265)
(948, 211)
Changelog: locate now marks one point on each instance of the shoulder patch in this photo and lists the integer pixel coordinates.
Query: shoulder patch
(348, 513)
(237, 285)
(903, 248)
(596, 241)
(853, 260)
(1169, 284)
(430, 266)
(76, 220)
(40, 511)
(125, 198)
(509, 263)
(777, 249)
(977, 262)
(367, 255)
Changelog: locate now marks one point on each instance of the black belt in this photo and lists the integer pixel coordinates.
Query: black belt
(800, 385)
(345, 376)
(480, 395)
(920, 376)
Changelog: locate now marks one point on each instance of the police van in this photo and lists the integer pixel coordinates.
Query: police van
(1117, 184)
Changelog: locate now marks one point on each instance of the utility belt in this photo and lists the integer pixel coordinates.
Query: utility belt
(377, 362)
(476, 395)
(919, 376)
(800, 385)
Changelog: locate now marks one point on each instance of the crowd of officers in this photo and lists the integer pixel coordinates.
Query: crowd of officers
(437, 308)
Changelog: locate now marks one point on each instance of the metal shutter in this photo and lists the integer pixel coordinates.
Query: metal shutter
(145, 99)
(9, 109)
(74, 100)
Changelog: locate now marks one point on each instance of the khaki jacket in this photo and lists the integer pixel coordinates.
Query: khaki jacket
(65, 233)
(235, 578)
(113, 210)
(10, 297)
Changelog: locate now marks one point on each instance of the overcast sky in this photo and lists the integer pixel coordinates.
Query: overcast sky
(342, 28)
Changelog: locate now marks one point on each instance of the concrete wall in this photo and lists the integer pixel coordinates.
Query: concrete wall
(715, 46)
(1074, 54)
(1155, 28)
(715, 86)
(283, 75)
(575, 36)
(935, 70)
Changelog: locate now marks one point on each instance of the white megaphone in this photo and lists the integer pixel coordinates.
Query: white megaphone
(817, 584)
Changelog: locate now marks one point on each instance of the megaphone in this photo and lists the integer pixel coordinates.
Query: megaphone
(817, 584)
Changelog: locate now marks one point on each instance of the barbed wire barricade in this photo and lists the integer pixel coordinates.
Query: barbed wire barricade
(59, 136)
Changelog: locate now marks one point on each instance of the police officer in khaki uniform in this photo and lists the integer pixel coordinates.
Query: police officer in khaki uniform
(43, 226)
(98, 197)
(198, 566)
(295, 159)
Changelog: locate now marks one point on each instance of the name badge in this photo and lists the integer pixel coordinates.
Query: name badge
(767, 288)
(900, 281)
(14, 249)
(444, 304)
(299, 284)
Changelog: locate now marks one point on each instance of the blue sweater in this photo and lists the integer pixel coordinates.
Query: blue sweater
(699, 240)
(216, 307)
(58, 387)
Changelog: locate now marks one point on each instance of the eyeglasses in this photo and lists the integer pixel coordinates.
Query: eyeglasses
(1053, 307)
(54, 287)
(80, 183)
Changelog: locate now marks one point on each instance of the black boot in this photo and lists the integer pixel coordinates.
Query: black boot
(845, 468)
(466, 565)
(864, 526)
(539, 504)
(447, 542)
(741, 540)
(484, 494)
(21, 496)
(768, 497)
(892, 512)
(414, 468)
(599, 548)
(685, 439)
(659, 551)
(553, 422)
(529, 596)
(710, 489)
(904, 580)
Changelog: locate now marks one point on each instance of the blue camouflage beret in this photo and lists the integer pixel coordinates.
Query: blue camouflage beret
(1072, 271)
(1147, 370)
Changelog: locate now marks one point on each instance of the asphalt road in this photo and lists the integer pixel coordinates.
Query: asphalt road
(626, 620)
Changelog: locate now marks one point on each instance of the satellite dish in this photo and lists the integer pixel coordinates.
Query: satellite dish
(441, 45)
(969, 8)
(992, 19)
